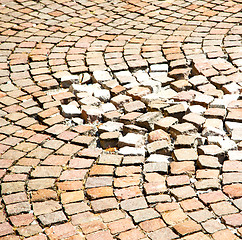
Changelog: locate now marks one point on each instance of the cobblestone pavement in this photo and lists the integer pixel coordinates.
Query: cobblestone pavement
(120, 119)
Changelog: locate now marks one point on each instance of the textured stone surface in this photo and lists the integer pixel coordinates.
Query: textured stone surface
(120, 120)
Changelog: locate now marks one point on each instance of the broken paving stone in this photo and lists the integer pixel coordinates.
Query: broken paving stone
(119, 100)
(156, 167)
(212, 150)
(70, 111)
(165, 123)
(110, 127)
(202, 99)
(205, 161)
(134, 129)
(213, 123)
(67, 80)
(89, 101)
(108, 107)
(181, 85)
(157, 158)
(195, 119)
(147, 120)
(215, 113)
(235, 155)
(177, 111)
(182, 129)
(137, 106)
(185, 154)
(91, 114)
(101, 76)
(212, 131)
(207, 184)
(183, 141)
(102, 94)
(129, 151)
(109, 139)
(138, 92)
(131, 140)
(198, 80)
(158, 134)
(159, 147)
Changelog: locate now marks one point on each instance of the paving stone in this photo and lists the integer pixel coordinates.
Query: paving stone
(144, 214)
(223, 208)
(134, 204)
(176, 111)
(12, 187)
(187, 227)
(17, 208)
(174, 217)
(147, 120)
(201, 215)
(165, 123)
(212, 226)
(212, 150)
(30, 230)
(100, 235)
(164, 233)
(131, 140)
(110, 159)
(185, 154)
(121, 225)
(152, 224)
(183, 128)
(36, 184)
(53, 217)
(5, 229)
(224, 234)
(159, 147)
(74, 72)
(182, 167)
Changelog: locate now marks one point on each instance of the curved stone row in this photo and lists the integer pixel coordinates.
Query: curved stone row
(120, 120)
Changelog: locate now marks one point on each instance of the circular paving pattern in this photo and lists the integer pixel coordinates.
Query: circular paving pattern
(120, 119)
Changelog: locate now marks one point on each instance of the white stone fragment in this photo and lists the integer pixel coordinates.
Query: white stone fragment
(230, 126)
(159, 158)
(111, 127)
(102, 94)
(197, 109)
(228, 98)
(101, 76)
(154, 86)
(70, 111)
(131, 140)
(78, 88)
(227, 144)
(131, 151)
(235, 155)
(151, 97)
(108, 107)
(233, 88)
(159, 68)
(212, 131)
(237, 134)
(218, 103)
(141, 76)
(67, 80)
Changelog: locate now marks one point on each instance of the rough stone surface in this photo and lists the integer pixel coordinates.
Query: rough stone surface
(120, 120)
